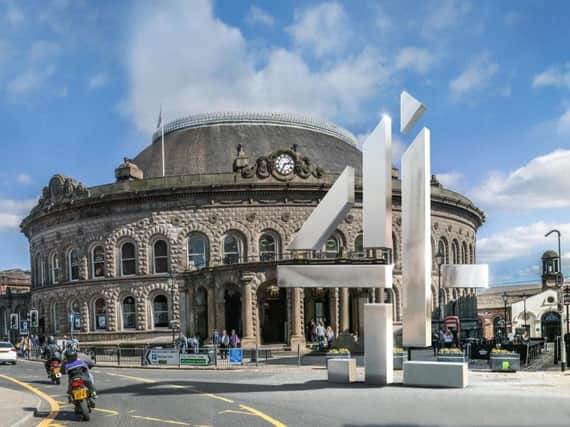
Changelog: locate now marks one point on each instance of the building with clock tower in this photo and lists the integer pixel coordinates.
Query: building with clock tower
(196, 247)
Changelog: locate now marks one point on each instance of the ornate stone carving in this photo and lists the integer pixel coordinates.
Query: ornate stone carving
(59, 190)
(285, 216)
(250, 216)
(264, 167)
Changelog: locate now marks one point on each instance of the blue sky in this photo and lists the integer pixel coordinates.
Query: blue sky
(81, 84)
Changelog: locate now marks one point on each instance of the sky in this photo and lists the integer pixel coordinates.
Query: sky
(81, 84)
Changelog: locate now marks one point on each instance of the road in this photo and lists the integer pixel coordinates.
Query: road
(298, 397)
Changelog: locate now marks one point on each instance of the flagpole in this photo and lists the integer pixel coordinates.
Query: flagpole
(162, 144)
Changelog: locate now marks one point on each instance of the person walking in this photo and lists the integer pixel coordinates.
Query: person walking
(321, 335)
(224, 344)
(234, 339)
(330, 336)
(448, 338)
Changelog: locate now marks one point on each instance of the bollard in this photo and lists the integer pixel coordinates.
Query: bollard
(409, 353)
(556, 351)
(256, 355)
(298, 354)
(119, 355)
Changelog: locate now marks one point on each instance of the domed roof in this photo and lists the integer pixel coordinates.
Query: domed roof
(206, 144)
(550, 254)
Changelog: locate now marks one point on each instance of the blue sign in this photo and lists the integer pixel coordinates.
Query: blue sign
(236, 356)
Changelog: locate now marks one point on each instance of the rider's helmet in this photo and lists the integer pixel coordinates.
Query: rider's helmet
(51, 340)
(71, 355)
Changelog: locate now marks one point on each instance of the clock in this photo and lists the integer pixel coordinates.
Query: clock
(284, 164)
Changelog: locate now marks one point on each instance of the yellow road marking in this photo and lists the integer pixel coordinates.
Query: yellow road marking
(54, 406)
(177, 386)
(144, 380)
(160, 420)
(263, 416)
(232, 411)
(107, 411)
(215, 396)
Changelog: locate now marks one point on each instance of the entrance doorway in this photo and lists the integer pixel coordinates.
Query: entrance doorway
(272, 305)
(232, 299)
(551, 325)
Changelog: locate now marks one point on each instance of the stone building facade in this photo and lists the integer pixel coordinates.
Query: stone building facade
(197, 248)
(15, 287)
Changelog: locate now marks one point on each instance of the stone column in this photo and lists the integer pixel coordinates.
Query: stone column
(85, 316)
(248, 291)
(379, 295)
(344, 311)
(297, 335)
(334, 310)
(190, 325)
(211, 311)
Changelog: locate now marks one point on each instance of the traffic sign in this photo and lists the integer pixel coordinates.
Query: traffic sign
(163, 356)
(194, 359)
(236, 356)
(24, 327)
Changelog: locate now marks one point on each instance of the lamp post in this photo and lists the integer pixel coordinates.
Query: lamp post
(172, 307)
(560, 299)
(505, 301)
(524, 310)
(439, 258)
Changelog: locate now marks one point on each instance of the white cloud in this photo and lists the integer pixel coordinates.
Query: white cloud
(415, 58)
(558, 76)
(518, 242)
(44, 49)
(24, 178)
(257, 15)
(540, 184)
(475, 77)
(98, 80)
(12, 212)
(563, 123)
(321, 29)
(14, 16)
(451, 180)
(383, 22)
(29, 81)
(219, 72)
(446, 14)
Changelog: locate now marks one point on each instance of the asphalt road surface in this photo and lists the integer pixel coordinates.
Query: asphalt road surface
(294, 397)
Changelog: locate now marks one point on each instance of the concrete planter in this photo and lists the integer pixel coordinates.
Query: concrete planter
(505, 362)
(451, 358)
(399, 361)
(337, 356)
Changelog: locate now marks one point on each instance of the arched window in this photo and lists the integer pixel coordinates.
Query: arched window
(332, 247)
(129, 313)
(359, 247)
(128, 260)
(454, 252)
(268, 247)
(160, 311)
(75, 315)
(442, 246)
(464, 254)
(198, 256)
(98, 262)
(233, 248)
(160, 257)
(73, 264)
(100, 314)
(54, 268)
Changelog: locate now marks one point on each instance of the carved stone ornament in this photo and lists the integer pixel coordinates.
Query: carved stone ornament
(250, 217)
(349, 219)
(435, 225)
(286, 216)
(213, 218)
(59, 190)
(283, 165)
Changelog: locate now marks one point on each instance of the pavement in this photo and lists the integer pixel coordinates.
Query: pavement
(17, 407)
(289, 396)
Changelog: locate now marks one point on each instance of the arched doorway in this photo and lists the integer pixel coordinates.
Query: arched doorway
(272, 306)
(200, 312)
(316, 308)
(550, 325)
(232, 299)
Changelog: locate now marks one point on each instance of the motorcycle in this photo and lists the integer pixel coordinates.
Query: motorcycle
(80, 397)
(55, 371)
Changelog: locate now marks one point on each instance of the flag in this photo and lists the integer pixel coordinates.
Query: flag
(159, 123)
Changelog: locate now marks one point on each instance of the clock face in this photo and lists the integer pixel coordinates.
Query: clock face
(284, 164)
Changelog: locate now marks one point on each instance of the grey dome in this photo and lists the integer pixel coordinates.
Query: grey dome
(207, 144)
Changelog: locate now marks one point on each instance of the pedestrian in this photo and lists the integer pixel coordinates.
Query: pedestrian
(313, 330)
(182, 344)
(215, 337)
(234, 339)
(330, 336)
(321, 335)
(224, 344)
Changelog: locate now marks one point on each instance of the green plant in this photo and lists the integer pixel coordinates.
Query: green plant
(450, 352)
(339, 351)
(500, 351)
(398, 350)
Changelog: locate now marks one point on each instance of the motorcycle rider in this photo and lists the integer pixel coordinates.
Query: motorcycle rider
(84, 364)
(52, 352)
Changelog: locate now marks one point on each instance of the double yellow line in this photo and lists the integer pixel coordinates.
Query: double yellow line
(54, 406)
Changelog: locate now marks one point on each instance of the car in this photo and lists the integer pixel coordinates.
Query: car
(7, 353)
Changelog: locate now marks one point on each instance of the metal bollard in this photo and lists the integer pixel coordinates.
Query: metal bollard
(298, 354)
(556, 351)
(119, 355)
(256, 356)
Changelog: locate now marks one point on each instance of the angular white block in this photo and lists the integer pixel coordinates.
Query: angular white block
(335, 276)
(465, 275)
(341, 371)
(436, 374)
(410, 111)
(416, 242)
(327, 215)
(378, 344)
(377, 187)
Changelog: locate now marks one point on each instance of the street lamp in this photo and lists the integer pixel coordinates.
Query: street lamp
(560, 284)
(439, 258)
(172, 322)
(525, 325)
(505, 301)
